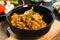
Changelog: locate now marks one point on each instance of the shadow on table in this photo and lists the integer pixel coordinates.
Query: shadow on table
(4, 27)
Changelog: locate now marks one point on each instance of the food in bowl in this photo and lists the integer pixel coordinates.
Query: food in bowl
(29, 20)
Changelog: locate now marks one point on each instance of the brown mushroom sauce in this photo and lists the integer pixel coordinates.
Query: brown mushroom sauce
(30, 20)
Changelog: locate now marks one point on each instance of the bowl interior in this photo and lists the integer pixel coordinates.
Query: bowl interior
(47, 14)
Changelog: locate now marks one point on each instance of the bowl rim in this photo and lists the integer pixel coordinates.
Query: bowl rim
(52, 14)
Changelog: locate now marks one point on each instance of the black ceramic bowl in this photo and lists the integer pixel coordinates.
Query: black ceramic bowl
(2, 17)
(48, 18)
(57, 15)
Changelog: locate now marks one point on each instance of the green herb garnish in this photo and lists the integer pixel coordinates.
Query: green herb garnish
(27, 17)
(29, 14)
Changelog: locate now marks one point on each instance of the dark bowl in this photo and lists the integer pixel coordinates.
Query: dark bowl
(2, 17)
(57, 15)
(48, 18)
